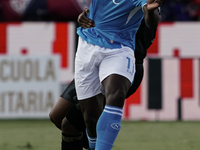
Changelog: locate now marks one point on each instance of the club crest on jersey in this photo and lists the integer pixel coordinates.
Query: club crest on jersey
(116, 1)
(19, 6)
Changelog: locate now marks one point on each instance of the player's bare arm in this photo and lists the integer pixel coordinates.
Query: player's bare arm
(84, 21)
(151, 13)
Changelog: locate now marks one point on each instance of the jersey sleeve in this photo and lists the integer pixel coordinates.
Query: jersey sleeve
(144, 39)
(138, 3)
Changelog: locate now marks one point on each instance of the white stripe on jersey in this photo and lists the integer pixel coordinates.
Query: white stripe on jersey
(132, 13)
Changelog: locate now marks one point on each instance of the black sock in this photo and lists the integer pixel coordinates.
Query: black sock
(72, 142)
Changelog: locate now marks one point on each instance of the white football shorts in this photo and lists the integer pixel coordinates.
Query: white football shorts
(94, 63)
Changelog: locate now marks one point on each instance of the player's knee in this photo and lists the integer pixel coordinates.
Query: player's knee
(116, 98)
(90, 123)
(68, 128)
(51, 117)
(65, 125)
(57, 122)
(118, 95)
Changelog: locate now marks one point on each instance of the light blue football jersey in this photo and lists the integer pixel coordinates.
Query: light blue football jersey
(116, 23)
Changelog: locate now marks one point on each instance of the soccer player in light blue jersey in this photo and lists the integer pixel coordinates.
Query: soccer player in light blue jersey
(116, 23)
(105, 63)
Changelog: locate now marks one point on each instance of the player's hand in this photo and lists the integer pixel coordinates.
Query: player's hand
(84, 21)
(153, 4)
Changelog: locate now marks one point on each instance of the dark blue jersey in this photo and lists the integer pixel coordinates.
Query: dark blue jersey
(144, 39)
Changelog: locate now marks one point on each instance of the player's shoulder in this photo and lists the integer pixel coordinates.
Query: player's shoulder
(139, 2)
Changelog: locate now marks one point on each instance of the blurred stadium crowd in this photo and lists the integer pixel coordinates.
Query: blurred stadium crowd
(41, 10)
(180, 10)
(68, 10)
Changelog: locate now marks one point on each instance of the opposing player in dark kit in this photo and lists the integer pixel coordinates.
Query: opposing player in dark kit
(66, 113)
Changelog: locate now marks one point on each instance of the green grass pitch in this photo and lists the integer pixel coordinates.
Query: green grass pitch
(43, 135)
